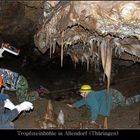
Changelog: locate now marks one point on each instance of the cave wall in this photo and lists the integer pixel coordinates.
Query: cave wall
(18, 21)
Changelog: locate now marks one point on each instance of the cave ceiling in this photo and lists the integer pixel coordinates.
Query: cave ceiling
(91, 31)
(88, 31)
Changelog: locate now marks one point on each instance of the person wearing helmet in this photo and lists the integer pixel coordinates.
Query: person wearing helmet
(96, 101)
(15, 82)
(9, 111)
(2, 84)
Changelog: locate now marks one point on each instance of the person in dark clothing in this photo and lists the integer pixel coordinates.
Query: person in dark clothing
(9, 112)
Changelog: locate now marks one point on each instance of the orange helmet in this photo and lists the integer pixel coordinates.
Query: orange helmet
(1, 81)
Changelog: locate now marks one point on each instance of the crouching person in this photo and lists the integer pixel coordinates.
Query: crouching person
(99, 102)
(9, 111)
(16, 82)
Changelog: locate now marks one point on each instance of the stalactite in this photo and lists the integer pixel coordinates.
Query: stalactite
(87, 59)
(88, 65)
(75, 58)
(54, 45)
(106, 57)
(91, 47)
(103, 48)
(108, 64)
(50, 46)
(62, 48)
(82, 59)
(97, 63)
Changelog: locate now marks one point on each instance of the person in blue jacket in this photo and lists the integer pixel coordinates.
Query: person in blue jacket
(99, 102)
(9, 112)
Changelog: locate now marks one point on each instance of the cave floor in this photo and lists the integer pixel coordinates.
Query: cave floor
(120, 118)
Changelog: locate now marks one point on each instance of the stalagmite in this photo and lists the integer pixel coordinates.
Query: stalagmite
(60, 119)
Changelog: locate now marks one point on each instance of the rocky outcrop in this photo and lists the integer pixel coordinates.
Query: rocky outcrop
(91, 32)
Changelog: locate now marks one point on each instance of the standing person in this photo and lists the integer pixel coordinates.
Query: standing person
(95, 101)
(16, 82)
(9, 112)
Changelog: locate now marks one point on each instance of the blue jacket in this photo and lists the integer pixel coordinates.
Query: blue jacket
(6, 115)
(96, 102)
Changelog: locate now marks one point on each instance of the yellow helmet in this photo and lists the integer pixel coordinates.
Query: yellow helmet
(86, 88)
